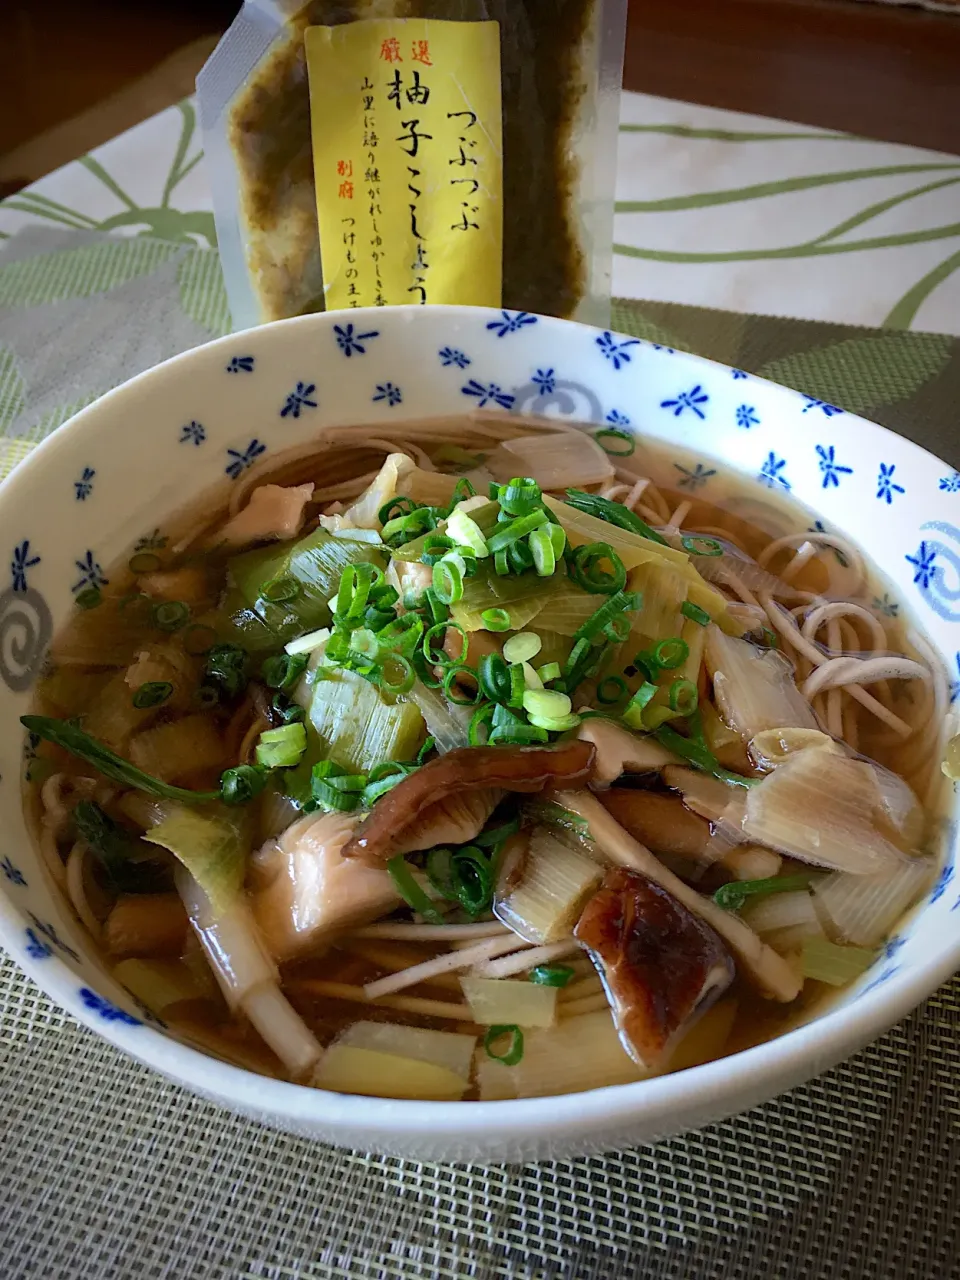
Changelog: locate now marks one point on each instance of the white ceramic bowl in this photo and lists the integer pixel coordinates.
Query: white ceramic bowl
(115, 472)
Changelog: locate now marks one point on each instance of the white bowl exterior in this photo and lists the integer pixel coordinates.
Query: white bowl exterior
(119, 469)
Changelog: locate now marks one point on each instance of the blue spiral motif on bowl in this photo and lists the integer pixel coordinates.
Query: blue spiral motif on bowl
(932, 562)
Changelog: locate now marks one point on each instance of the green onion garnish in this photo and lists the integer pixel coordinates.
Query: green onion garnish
(284, 670)
(522, 647)
(584, 567)
(410, 891)
(438, 611)
(546, 704)
(289, 712)
(364, 643)
(683, 697)
(732, 896)
(280, 590)
(514, 530)
(397, 675)
(438, 633)
(152, 694)
(551, 975)
(327, 795)
(615, 513)
(480, 721)
(698, 753)
(170, 615)
(494, 676)
(695, 613)
(89, 598)
(383, 779)
(462, 490)
(623, 438)
(399, 506)
(448, 579)
(242, 784)
(633, 711)
(435, 547)
(514, 1051)
(495, 619)
(549, 671)
(611, 689)
(501, 564)
(700, 546)
(509, 728)
(619, 602)
(282, 748)
(493, 838)
(226, 668)
(144, 562)
(666, 655)
(403, 529)
(520, 496)
(356, 581)
(402, 635)
(541, 548)
(467, 533)
(454, 693)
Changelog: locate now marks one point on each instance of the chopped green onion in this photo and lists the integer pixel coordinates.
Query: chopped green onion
(289, 712)
(356, 581)
(437, 610)
(546, 704)
(410, 891)
(501, 564)
(468, 533)
(549, 671)
(448, 580)
(519, 496)
(667, 655)
(695, 613)
(520, 556)
(495, 837)
(242, 784)
(283, 670)
(326, 794)
(282, 748)
(365, 643)
(699, 755)
(611, 689)
(541, 548)
(623, 438)
(462, 490)
(615, 513)
(458, 696)
(551, 975)
(399, 506)
(514, 1051)
(584, 568)
(472, 879)
(280, 590)
(514, 530)
(698, 545)
(438, 633)
(620, 602)
(530, 678)
(480, 718)
(435, 547)
(152, 694)
(732, 896)
(522, 647)
(397, 675)
(429, 744)
(144, 562)
(198, 639)
(226, 668)
(403, 529)
(402, 635)
(89, 598)
(494, 676)
(509, 728)
(770, 638)
(556, 724)
(495, 619)
(170, 615)
(633, 711)
(383, 779)
(683, 697)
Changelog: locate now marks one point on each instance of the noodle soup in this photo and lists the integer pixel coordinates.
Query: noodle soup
(494, 760)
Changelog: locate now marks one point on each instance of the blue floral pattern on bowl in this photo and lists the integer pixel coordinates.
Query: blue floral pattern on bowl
(64, 522)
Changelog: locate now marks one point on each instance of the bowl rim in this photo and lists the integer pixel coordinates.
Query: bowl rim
(786, 1060)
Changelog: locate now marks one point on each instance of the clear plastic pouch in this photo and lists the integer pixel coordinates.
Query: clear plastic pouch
(561, 65)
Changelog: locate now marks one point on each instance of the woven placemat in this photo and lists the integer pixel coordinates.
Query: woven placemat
(107, 1171)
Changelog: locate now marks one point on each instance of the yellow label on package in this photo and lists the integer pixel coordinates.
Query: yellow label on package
(408, 161)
